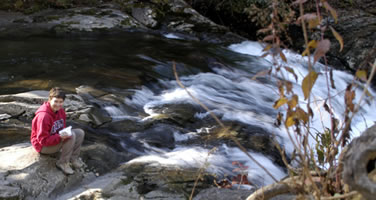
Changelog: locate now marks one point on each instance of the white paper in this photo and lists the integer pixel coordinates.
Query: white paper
(66, 131)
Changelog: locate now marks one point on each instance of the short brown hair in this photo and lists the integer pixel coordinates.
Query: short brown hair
(56, 92)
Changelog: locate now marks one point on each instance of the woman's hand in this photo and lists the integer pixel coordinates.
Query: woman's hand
(64, 137)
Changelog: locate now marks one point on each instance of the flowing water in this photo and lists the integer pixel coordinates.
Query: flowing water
(139, 65)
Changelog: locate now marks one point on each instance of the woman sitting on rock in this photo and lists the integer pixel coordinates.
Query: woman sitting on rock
(49, 119)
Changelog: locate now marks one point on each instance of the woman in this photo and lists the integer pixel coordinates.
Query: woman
(49, 119)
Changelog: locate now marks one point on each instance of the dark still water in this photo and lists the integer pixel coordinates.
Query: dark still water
(123, 61)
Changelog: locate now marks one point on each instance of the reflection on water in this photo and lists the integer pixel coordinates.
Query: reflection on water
(121, 61)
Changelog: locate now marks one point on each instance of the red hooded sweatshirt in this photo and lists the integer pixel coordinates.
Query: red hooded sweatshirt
(46, 126)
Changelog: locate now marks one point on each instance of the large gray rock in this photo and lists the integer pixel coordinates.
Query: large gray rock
(28, 102)
(25, 174)
(153, 176)
(25, 104)
(358, 29)
(165, 16)
(116, 186)
(359, 164)
(51, 21)
(180, 113)
(159, 135)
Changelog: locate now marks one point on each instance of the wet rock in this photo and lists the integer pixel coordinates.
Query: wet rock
(152, 176)
(89, 92)
(222, 194)
(4, 116)
(128, 125)
(98, 117)
(159, 135)
(95, 154)
(146, 16)
(13, 131)
(180, 113)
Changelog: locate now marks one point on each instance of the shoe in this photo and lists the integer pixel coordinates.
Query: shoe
(65, 168)
(77, 163)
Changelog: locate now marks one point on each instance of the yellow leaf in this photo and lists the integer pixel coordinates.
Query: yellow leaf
(302, 115)
(280, 102)
(312, 44)
(338, 37)
(290, 119)
(267, 48)
(293, 102)
(368, 93)
(361, 74)
(289, 69)
(305, 52)
(313, 23)
(283, 56)
(331, 10)
(308, 83)
(289, 86)
(281, 89)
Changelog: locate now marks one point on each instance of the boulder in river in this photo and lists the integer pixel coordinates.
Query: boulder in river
(26, 174)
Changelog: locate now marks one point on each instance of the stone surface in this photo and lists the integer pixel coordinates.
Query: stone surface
(154, 16)
(179, 113)
(358, 161)
(159, 135)
(128, 126)
(222, 194)
(153, 176)
(25, 174)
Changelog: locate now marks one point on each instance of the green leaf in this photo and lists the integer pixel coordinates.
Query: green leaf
(320, 155)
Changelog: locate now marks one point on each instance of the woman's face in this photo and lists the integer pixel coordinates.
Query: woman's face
(56, 103)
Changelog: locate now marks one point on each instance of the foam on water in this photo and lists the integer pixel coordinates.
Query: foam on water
(171, 36)
(233, 96)
(118, 114)
(319, 91)
(218, 162)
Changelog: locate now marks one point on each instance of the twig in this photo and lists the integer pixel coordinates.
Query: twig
(342, 196)
(347, 126)
(199, 172)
